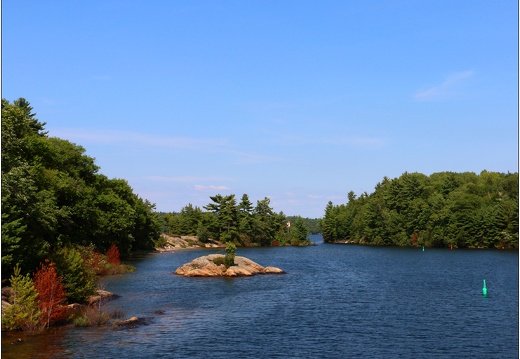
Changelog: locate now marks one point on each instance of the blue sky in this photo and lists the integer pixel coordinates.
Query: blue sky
(299, 101)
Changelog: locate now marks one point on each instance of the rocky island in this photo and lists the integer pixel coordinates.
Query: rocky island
(210, 266)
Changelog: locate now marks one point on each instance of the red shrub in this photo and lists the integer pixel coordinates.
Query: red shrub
(113, 255)
(51, 296)
(97, 263)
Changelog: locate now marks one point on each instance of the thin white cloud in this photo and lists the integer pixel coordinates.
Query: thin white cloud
(133, 138)
(349, 141)
(314, 196)
(186, 179)
(445, 89)
(333, 198)
(199, 187)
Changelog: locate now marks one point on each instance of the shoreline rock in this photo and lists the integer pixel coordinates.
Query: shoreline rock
(174, 243)
(101, 295)
(131, 323)
(205, 267)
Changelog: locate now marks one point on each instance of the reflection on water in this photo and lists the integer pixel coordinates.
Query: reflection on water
(335, 301)
(27, 346)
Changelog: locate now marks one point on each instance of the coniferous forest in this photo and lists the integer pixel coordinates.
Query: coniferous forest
(241, 222)
(445, 209)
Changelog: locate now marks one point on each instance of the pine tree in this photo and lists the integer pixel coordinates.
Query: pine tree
(23, 313)
(300, 232)
(229, 259)
(79, 281)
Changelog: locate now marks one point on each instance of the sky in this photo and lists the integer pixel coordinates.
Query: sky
(298, 101)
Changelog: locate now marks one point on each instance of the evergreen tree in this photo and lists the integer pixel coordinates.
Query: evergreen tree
(79, 281)
(228, 217)
(300, 232)
(245, 206)
(229, 258)
(23, 313)
(264, 225)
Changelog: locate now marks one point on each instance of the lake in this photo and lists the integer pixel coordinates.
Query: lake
(335, 301)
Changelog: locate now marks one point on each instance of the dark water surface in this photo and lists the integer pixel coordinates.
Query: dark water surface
(336, 301)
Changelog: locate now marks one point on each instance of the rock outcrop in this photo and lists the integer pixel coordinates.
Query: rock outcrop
(205, 267)
(186, 242)
(101, 295)
(131, 323)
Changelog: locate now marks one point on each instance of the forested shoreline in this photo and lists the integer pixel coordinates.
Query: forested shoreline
(63, 223)
(445, 209)
(243, 223)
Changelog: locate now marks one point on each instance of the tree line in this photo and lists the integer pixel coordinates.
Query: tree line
(227, 220)
(464, 210)
(312, 224)
(55, 203)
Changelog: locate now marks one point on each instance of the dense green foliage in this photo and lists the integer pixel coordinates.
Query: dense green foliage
(54, 198)
(299, 232)
(78, 277)
(313, 224)
(444, 209)
(228, 221)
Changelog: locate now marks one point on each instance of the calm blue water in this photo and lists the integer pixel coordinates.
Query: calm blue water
(336, 301)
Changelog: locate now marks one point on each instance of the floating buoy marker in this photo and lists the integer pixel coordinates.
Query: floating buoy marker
(484, 289)
(423, 248)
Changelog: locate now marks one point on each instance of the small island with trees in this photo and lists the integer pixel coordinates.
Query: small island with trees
(241, 223)
(217, 265)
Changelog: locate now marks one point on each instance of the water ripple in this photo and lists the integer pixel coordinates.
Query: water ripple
(334, 302)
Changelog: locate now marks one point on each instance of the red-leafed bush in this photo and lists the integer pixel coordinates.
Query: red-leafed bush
(113, 255)
(97, 263)
(94, 261)
(51, 296)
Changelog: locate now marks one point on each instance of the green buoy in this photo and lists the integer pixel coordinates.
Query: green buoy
(484, 289)
(423, 248)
